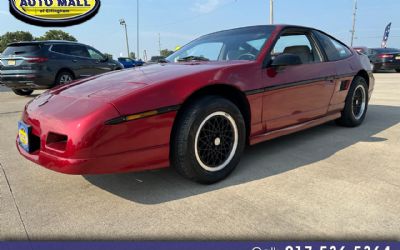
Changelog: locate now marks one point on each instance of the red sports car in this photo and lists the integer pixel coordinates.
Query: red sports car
(198, 109)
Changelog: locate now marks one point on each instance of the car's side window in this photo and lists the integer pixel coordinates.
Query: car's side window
(297, 44)
(96, 55)
(334, 50)
(77, 50)
(59, 48)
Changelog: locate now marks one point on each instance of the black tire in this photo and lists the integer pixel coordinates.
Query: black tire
(191, 133)
(356, 107)
(64, 77)
(23, 92)
(398, 70)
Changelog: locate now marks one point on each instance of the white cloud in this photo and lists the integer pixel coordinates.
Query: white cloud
(207, 6)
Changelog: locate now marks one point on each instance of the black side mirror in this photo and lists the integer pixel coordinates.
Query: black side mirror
(286, 60)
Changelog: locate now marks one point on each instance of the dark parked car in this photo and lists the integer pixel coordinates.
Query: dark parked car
(129, 62)
(199, 109)
(384, 59)
(26, 66)
(156, 59)
(362, 50)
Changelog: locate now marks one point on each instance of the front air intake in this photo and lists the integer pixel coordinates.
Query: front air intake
(56, 141)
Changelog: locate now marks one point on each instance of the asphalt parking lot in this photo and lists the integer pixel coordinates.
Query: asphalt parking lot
(325, 183)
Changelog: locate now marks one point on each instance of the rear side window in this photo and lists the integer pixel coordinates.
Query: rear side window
(59, 48)
(334, 50)
(77, 50)
(21, 50)
(298, 44)
(71, 50)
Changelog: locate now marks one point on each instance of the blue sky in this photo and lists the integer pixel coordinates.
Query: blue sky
(179, 21)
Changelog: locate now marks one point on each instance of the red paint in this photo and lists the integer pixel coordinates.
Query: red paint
(79, 110)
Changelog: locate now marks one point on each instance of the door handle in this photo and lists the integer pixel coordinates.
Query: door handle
(74, 60)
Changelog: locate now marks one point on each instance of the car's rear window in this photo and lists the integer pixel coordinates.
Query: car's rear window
(21, 49)
(388, 50)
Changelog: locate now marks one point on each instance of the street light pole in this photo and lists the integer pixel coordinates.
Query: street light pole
(159, 42)
(137, 30)
(271, 11)
(353, 31)
(123, 23)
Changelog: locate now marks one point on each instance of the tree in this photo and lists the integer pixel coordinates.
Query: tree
(132, 55)
(11, 37)
(56, 35)
(166, 52)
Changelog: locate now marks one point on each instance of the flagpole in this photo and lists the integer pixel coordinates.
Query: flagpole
(137, 31)
(271, 12)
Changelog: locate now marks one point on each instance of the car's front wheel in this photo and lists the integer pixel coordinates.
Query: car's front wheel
(208, 140)
(356, 105)
(23, 92)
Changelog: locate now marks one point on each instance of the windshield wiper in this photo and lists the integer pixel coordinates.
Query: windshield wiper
(193, 58)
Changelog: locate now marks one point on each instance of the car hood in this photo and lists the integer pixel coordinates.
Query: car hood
(111, 86)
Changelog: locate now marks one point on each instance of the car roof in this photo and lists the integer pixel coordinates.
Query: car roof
(274, 26)
(263, 26)
(384, 49)
(44, 42)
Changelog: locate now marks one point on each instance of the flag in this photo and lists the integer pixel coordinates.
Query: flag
(386, 35)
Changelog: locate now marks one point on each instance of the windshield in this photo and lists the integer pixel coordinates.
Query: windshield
(21, 49)
(125, 60)
(237, 44)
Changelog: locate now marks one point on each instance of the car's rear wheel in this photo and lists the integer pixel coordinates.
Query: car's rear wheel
(208, 140)
(23, 92)
(356, 105)
(398, 70)
(64, 77)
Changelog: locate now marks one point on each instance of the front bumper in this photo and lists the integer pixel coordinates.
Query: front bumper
(93, 147)
(139, 160)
